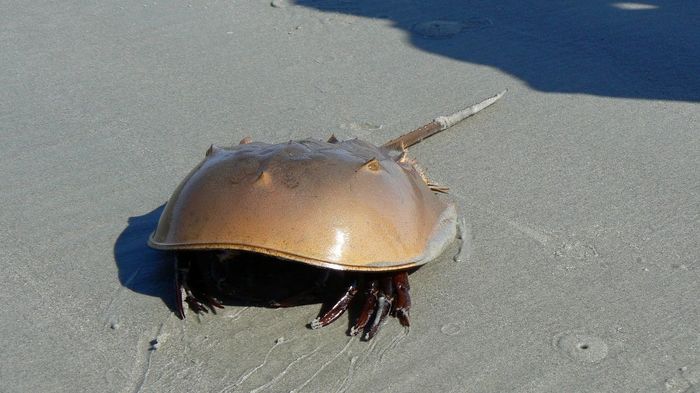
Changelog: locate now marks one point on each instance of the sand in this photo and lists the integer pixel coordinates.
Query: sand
(580, 190)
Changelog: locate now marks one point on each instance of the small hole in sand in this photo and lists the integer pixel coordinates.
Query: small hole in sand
(583, 346)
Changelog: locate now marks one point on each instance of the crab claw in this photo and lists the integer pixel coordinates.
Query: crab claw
(337, 310)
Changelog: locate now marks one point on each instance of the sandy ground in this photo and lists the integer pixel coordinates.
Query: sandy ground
(580, 189)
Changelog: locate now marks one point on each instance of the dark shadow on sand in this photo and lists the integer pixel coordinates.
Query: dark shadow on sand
(141, 268)
(648, 49)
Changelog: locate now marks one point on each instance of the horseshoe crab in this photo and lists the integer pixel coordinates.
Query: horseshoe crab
(368, 212)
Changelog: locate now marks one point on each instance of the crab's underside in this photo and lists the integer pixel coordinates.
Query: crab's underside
(207, 280)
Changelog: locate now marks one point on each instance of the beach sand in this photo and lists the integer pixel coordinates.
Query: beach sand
(580, 190)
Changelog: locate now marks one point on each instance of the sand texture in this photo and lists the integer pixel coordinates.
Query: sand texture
(580, 189)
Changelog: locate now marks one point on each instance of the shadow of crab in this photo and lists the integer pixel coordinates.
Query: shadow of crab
(141, 268)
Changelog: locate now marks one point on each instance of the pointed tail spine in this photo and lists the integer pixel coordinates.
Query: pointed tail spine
(439, 124)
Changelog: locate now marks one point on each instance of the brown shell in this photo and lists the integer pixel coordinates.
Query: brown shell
(344, 205)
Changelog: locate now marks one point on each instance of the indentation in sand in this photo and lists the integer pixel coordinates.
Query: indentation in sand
(582, 347)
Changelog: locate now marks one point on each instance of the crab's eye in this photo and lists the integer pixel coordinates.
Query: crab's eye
(372, 165)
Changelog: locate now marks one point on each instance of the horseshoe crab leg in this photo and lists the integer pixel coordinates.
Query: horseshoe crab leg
(197, 301)
(384, 302)
(371, 296)
(180, 282)
(402, 302)
(337, 310)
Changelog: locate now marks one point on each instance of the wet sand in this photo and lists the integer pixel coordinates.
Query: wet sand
(579, 190)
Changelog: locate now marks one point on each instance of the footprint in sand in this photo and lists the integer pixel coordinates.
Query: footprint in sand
(452, 328)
